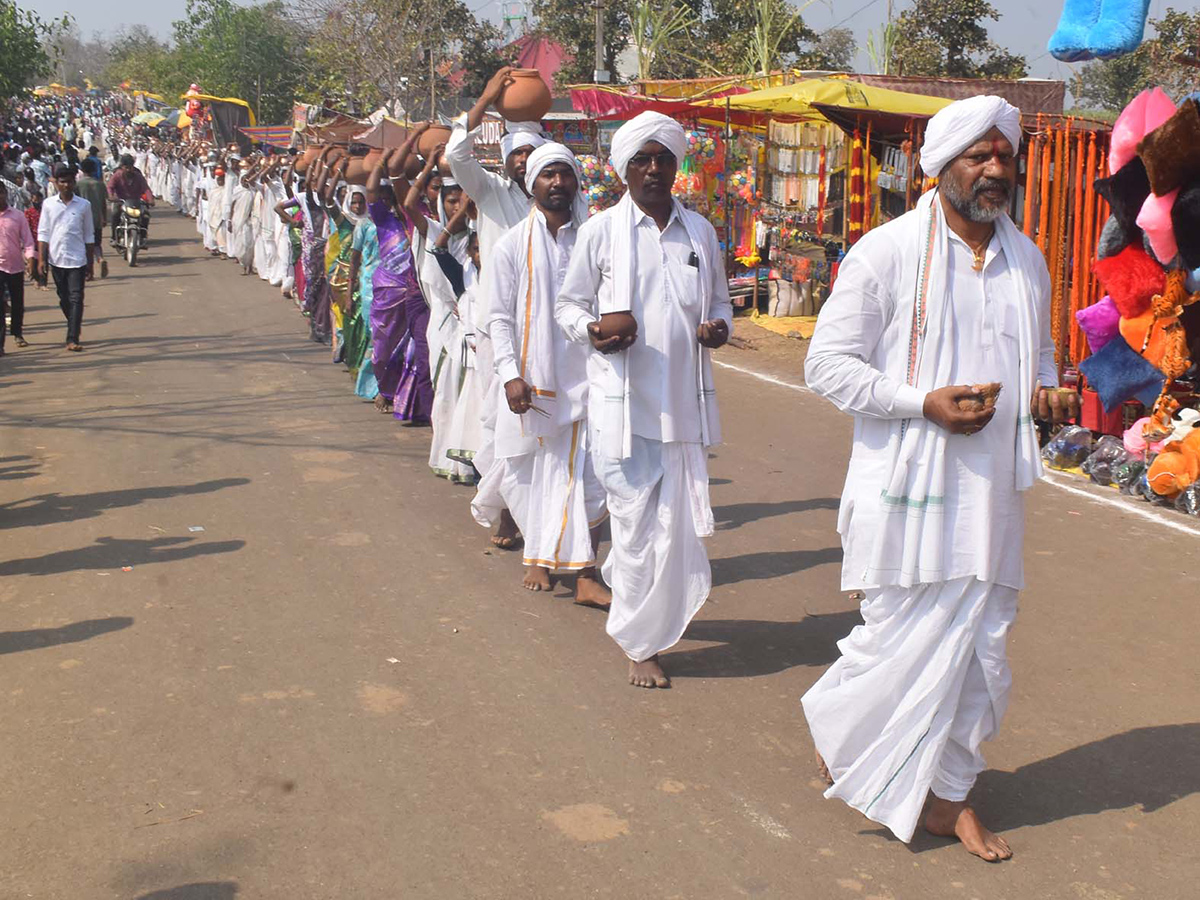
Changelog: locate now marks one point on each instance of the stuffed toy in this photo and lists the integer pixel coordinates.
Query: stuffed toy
(1118, 373)
(1171, 152)
(1134, 439)
(1100, 323)
(1177, 467)
(1155, 221)
(1145, 112)
(1131, 278)
(1185, 221)
(1113, 239)
(1098, 28)
(1126, 191)
(1185, 423)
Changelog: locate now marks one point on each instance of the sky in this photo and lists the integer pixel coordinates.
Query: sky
(1024, 26)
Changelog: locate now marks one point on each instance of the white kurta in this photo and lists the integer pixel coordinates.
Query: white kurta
(501, 204)
(657, 495)
(543, 473)
(924, 681)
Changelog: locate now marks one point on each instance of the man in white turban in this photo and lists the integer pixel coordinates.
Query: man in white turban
(928, 311)
(652, 408)
(542, 472)
(502, 201)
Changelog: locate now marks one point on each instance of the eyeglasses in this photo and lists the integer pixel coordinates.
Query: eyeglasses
(643, 160)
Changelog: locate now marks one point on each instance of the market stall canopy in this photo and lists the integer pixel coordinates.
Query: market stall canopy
(386, 133)
(234, 101)
(149, 117)
(606, 102)
(340, 129)
(803, 98)
(275, 135)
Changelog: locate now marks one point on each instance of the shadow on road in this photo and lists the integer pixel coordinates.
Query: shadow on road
(736, 515)
(46, 509)
(770, 564)
(14, 468)
(200, 890)
(37, 638)
(749, 647)
(114, 553)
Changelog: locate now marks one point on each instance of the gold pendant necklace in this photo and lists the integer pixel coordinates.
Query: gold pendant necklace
(980, 253)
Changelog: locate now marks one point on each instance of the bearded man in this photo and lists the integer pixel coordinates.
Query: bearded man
(926, 308)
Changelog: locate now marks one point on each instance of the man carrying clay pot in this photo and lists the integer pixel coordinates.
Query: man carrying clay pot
(502, 202)
(652, 409)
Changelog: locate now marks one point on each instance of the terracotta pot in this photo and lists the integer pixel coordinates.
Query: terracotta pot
(356, 170)
(432, 136)
(527, 99)
(618, 324)
(306, 159)
(411, 170)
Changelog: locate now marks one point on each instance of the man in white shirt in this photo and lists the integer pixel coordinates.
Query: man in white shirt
(66, 242)
(502, 201)
(542, 472)
(651, 403)
(926, 309)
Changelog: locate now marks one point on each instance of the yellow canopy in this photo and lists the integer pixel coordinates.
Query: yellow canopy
(210, 98)
(149, 94)
(798, 99)
(184, 120)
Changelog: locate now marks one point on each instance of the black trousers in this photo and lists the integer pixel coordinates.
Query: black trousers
(12, 298)
(69, 284)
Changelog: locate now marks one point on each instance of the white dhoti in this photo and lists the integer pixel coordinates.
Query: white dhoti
(449, 372)
(553, 496)
(658, 568)
(919, 686)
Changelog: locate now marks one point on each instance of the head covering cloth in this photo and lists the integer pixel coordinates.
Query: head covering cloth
(959, 125)
(548, 154)
(521, 134)
(350, 194)
(631, 137)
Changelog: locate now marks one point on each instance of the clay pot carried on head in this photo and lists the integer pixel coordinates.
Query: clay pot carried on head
(305, 159)
(527, 99)
(618, 324)
(431, 137)
(411, 169)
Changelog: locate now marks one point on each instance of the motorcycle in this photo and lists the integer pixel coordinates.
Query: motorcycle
(131, 229)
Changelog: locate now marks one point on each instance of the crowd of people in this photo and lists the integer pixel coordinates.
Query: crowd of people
(562, 364)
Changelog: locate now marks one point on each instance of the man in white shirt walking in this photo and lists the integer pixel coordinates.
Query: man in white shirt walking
(66, 243)
(651, 403)
(542, 472)
(927, 309)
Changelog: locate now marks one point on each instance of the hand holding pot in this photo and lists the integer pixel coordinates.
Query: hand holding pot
(496, 85)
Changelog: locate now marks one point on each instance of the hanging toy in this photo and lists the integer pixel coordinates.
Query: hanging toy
(1098, 29)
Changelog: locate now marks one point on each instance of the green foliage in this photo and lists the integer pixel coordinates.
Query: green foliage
(833, 50)
(948, 38)
(23, 56)
(1111, 84)
(573, 25)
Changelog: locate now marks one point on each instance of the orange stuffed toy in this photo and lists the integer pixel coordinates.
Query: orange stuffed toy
(1177, 467)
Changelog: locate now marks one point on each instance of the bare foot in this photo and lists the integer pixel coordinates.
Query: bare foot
(508, 535)
(590, 592)
(823, 771)
(948, 818)
(648, 674)
(536, 579)
(382, 404)
(74, 347)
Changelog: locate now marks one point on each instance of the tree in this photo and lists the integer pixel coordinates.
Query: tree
(665, 35)
(948, 38)
(1110, 84)
(136, 58)
(572, 25)
(833, 50)
(23, 58)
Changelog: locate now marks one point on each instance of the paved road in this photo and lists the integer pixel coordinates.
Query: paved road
(250, 647)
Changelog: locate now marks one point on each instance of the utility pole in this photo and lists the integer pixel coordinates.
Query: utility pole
(600, 74)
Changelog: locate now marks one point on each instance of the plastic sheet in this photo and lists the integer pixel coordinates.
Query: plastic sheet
(1108, 455)
(1189, 501)
(1069, 448)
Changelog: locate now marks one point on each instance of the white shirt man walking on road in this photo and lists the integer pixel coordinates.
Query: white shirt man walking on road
(652, 407)
(927, 308)
(66, 243)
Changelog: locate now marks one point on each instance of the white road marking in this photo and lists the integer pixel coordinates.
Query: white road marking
(762, 820)
(1166, 518)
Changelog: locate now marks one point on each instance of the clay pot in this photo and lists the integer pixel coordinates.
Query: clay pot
(985, 397)
(432, 136)
(356, 171)
(527, 99)
(618, 324)
(306, 159)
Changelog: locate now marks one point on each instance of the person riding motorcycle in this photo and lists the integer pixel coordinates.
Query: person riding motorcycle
(128, 184)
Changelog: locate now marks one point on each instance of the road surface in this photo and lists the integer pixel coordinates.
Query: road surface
(252, 648)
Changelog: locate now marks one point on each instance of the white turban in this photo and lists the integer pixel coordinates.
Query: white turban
(549, 153)
(955, 128)
(520, 134)
(647, 126)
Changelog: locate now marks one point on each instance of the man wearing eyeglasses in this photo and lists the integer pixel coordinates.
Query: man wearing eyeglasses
(652, 406)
